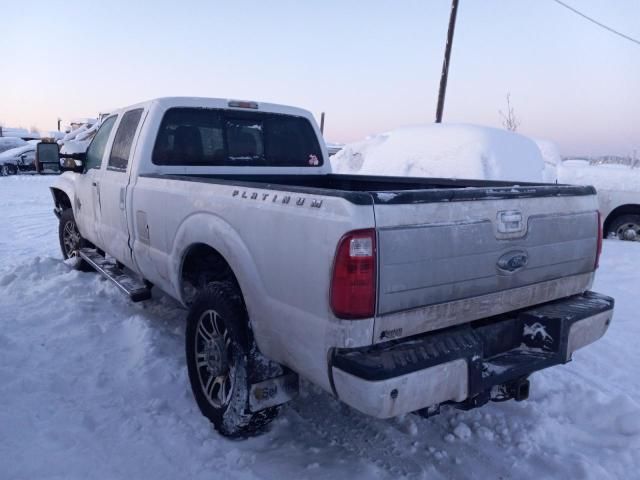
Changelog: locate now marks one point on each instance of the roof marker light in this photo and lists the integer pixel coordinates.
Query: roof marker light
(243, 104)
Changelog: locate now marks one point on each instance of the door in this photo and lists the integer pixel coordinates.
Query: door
(112, 224)
(86, 199)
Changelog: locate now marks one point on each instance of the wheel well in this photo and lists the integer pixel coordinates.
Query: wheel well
(201, 265)
(61, 199)
(629, 209)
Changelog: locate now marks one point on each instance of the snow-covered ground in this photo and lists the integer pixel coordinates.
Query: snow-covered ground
(92, 386)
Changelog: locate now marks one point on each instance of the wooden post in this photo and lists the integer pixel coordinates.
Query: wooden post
(445, 64)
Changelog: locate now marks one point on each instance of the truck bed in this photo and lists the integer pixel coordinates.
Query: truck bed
(448, 244)
(368, 189)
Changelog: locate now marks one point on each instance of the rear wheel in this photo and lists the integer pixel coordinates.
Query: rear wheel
(217, 349)
(71, 241)
(626, 227)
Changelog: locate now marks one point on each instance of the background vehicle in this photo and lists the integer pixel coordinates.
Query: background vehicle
(394, 294)
(18, 159)
(618, 188)
(8, 143)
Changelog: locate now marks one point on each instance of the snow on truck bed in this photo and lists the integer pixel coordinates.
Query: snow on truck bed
(93, 386)
(445, 150)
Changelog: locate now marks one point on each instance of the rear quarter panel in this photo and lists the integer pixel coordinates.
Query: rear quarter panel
(280, 248)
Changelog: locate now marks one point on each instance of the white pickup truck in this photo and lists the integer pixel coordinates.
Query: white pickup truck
(618, 193)
(396, 295)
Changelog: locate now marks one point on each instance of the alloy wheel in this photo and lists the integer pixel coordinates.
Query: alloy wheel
(214, 359)
(71, 239)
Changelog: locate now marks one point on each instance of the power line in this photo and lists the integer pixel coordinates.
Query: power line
(602, 25)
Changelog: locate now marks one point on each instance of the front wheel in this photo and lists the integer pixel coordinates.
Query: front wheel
(4, 170)
(217, 348)
(71, 241)
(626, 227)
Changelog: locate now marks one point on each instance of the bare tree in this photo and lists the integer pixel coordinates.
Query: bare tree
(509, 119)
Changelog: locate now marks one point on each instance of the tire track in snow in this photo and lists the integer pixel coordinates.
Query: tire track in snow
(410, 447)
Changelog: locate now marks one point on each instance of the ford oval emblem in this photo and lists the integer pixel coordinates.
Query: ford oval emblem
(512, 261)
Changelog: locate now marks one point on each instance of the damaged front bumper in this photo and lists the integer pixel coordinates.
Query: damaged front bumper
(462, 365)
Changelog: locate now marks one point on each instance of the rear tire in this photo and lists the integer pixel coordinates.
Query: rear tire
(71, 241)
(625, 227)
(217, 348)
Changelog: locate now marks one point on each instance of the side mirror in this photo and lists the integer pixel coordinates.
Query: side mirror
(47, 156)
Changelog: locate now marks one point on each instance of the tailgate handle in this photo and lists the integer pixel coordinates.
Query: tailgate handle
(510, 221)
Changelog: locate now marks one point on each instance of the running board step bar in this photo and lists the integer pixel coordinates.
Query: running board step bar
(136, 289)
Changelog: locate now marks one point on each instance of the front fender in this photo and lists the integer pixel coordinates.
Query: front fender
(64, 183)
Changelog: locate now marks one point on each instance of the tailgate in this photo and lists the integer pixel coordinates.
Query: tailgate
(437, 248)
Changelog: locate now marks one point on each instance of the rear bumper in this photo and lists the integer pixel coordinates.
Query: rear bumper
(463, 363)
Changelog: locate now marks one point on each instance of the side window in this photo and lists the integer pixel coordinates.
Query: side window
(99, 143)
(119, 158)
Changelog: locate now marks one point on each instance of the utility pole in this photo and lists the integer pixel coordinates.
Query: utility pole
(59, 120)
(322, 123)
(445, 64)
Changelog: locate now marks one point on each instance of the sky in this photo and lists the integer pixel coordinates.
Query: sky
(370, 65)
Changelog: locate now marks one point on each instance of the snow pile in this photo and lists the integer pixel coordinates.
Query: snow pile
(451, 151)
(78, 140)
(604, 173)
(334, 148)
(74, 133)
(603, 177)
(551, 157)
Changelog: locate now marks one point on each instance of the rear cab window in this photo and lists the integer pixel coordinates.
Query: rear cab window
(215, 137)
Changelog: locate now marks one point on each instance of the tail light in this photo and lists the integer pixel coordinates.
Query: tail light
(599, 247)
(353, 285)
